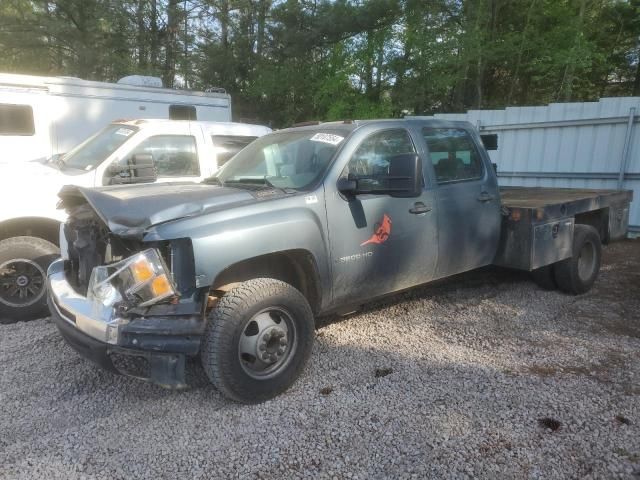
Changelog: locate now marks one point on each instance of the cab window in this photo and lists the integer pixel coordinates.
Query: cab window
(173, 155)
(373, 155)
(453, 154)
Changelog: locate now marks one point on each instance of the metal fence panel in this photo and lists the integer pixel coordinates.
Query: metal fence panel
(575, 145)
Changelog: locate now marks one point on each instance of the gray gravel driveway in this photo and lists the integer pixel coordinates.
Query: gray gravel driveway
(483, 375)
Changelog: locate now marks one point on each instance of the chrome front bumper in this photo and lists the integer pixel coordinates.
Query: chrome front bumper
(78, 311)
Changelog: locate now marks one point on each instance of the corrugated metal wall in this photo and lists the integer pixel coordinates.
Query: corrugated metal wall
(580, 145)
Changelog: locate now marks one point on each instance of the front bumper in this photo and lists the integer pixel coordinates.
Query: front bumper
(151, 347)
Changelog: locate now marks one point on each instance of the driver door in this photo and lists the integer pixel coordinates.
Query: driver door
(379, 243)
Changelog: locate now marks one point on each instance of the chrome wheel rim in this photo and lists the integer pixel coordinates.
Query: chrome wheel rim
(267, 343)
(22, 282)
(586, 261)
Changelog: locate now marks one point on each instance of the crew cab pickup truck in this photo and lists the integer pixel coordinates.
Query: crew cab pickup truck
(172, 150)
(301, 223)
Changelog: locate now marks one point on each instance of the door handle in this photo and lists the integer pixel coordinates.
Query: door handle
(419, 208)
(485, 197)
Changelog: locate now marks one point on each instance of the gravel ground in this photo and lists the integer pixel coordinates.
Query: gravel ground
(483, 375)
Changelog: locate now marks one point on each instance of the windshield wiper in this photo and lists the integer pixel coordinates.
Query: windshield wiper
(59, 162)
(252, 181)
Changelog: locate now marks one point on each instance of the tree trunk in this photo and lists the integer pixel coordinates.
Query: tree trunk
(141, 39)
(479, 65)
(185, 40)
(636, 82)
(368, 64)
(516, 73)
(566, 87)
(170, 45)
(262, 18)
(224, 23)
(154, 52)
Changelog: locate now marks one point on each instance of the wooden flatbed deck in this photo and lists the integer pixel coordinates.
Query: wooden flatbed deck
(541, 197)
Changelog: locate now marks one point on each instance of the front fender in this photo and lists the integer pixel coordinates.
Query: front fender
(222, 239)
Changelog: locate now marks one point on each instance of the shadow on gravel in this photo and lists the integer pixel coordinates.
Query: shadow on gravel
(425, 388)
(490, 278)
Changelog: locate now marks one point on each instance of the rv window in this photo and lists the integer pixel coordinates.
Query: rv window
(182, 112)
(16, 120)
(226, 146)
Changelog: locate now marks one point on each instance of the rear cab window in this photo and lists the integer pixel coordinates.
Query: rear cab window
(454, 154)
(16, 120)
(182, 112)
(226, 146)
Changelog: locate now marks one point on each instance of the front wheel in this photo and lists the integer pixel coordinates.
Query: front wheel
(257, 340)
(23, 275)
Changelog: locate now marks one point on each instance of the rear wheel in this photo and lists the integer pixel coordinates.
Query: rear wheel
(258, 338)
(23, 275)
(577, 273)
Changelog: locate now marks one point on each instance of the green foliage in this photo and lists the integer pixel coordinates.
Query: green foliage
(286, 61)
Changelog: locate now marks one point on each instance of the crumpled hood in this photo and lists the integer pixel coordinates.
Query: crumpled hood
(129, 210)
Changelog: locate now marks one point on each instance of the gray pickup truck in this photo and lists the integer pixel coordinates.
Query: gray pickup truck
(301, 223)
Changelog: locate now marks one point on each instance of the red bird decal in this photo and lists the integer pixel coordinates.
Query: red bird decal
(381, 232)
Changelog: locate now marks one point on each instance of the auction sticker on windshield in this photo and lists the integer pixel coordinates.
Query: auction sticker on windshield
(327, 138)
(124, 131)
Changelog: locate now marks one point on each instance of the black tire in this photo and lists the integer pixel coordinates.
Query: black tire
(241, 309)
(545, 277)
(577, 273)
(23, 280)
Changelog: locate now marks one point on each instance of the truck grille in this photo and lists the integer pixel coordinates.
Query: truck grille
(87, 249)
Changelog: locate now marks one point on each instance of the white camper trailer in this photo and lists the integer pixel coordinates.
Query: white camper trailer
(44, 116)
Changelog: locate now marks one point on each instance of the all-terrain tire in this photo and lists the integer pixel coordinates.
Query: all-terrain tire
(23, 267)
(577, 273)
(544, 277)
(231, 318)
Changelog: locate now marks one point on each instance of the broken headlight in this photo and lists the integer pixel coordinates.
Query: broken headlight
(139, 281)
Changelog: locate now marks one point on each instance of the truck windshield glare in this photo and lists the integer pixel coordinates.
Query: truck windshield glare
(95, 149)
(284, 160)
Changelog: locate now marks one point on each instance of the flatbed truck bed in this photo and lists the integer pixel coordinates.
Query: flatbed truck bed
(538, 222)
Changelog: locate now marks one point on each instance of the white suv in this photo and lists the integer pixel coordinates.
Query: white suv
(30, 221)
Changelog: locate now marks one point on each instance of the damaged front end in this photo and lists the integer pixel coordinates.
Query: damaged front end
(129, 305)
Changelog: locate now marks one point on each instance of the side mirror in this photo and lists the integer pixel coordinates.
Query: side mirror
(404, 179)
(490, 141)
(348, 186)
(405, 175)
(140, 168)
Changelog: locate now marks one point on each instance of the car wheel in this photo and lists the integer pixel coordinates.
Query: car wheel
(257, 340)
(23, 277)
(577, 273)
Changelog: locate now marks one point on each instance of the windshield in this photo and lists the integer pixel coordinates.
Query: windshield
(95, 150)
(284, 160)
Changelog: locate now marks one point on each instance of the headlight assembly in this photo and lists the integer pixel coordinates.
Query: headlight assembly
(140, 280)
